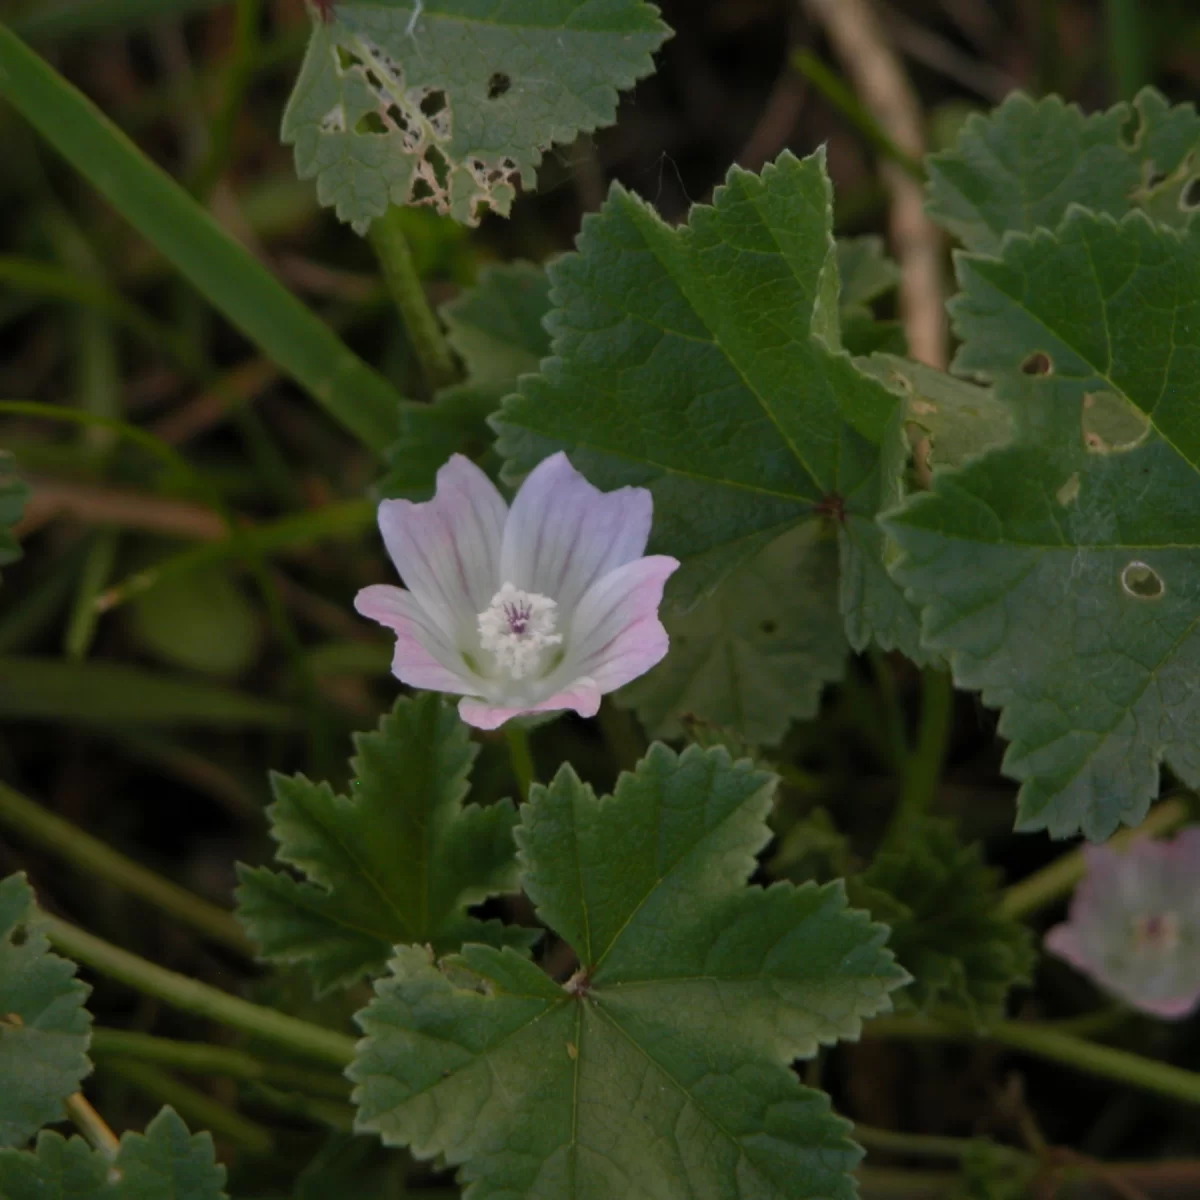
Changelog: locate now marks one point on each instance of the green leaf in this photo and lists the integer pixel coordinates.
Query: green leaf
(1058, 574)
(396, 862)
(1022, 167)
(666, 1056)
(757, 653)
(201, 621)
(164, 1163)
(452, 102)
(44, 1027)
(107, 693)
(13, 494)
(960, 418)
(941, 901)
(496, 329)
(697, 362)
(992, 1172)
(866, 273)
(222, 269)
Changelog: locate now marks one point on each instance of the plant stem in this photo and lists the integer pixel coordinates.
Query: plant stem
(1058, 879)
(59, 837)
(1044, 1041)
(521, 756)
(923, 1145)
(201, 1058)
(190, 995)
(199, 1110)
(622, 734)
(1127, 57)
(923, 764)
(93, 1126)
(420, 321)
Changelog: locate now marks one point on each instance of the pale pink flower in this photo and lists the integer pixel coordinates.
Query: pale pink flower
(1134, 924)
(544, 606)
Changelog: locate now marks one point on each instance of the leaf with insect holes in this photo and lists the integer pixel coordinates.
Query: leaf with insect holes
(940, 900)
(453, 102)
(960, 418)
(398, 861)
(164, 1163)
(666, 1057)
(757, 653)
(13, 495)
(44, 1028)
(496, 329)
(700, 362)
(1061, 574)
(1021, 167)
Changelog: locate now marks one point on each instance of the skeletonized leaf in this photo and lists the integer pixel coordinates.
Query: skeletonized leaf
(697, 362)
(452, 102)
(757, 653)
(1021, 167)
(44, 1028)
(398, 861)
(1059, 574)
(666, 1057)
(164, 1163)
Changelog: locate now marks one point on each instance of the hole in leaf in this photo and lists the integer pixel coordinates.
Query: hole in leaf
(1141, 581)
(1190, 197)
(1154, 179)
(434, 103)
(768, 627)
(421, 190)
(347, 60)
(370, 122)
(1111, 424)
(498, 85)
(441, 168)
(1038, 363)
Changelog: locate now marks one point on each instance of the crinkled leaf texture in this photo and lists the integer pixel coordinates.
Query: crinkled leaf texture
(1021, 167)
(1061, 575)
(398, 861)
(758, 653)
(496, 329)
(702, 363)
(13, 494)
(44, 1028)
(164, 1163)
(451, 102)
(662, 1067)
(941, 902)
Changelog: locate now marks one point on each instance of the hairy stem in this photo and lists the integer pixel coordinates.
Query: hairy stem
(521, 756)
(420, 321)
(190, 995)
(93, 1126)
(923, 764)
(91, 856)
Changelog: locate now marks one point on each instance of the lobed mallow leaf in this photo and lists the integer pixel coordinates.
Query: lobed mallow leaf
(702, 363)
(397, 861)
(1022, 166)
(164, 1163)
(452, 102)
(661, 1067)
(44, 1028)
(1059, 574)
(941, 902)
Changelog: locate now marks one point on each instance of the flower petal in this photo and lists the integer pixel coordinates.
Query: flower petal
(582, 695)
(447, 549)
(563, 534)
(615, 633)
(423, 658)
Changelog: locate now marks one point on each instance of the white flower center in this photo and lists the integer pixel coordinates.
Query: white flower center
(517, 627)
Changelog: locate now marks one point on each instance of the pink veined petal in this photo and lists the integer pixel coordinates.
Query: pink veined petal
(447, 549)
(1172, 1008)
(563, 534)
(616, 634)
(582, 695)
(423, 657)
(1064, 942)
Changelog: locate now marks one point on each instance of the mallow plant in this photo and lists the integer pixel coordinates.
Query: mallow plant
(663, 494)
